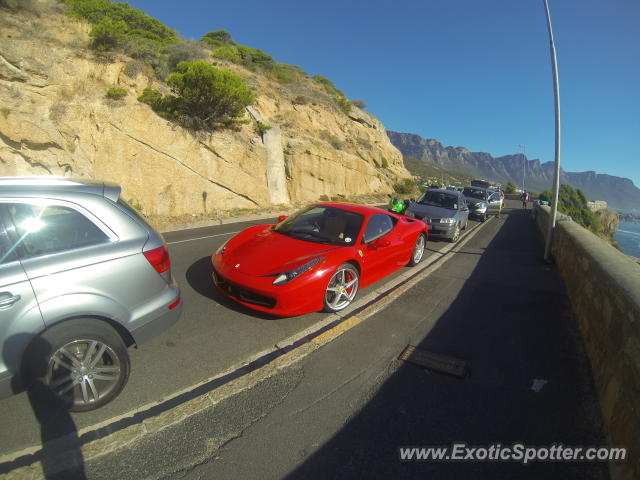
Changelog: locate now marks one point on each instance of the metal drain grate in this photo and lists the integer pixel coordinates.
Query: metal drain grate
(434, 361)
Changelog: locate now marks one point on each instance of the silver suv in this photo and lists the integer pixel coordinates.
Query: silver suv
(82, 277)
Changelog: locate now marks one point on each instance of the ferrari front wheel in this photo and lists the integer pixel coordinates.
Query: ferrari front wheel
(342, 288)
(418, 250)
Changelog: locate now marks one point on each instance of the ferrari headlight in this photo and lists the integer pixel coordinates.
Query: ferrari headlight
(222, 248)
(448, 221)
(286, 277)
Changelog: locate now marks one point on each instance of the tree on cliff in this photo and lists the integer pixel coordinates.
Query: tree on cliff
(203, 96)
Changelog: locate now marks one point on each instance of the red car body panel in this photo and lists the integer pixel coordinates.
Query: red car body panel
(252, 259)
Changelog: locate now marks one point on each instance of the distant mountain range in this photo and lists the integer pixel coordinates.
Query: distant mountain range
(618, 192)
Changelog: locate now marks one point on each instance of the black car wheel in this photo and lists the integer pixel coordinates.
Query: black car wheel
(456, 234)
(84, 362)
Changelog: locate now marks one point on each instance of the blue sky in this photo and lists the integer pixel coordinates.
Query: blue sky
(466, 72)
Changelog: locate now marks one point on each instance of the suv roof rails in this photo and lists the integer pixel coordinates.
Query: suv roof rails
(106, 189)
(40, 180)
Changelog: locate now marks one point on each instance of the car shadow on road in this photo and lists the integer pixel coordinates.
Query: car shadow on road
(511, 322)
(60, 456)
(198, 276)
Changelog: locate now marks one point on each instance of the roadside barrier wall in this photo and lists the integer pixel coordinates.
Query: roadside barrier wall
(604, 289)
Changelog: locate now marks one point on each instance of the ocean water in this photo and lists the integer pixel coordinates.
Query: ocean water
(628, 238)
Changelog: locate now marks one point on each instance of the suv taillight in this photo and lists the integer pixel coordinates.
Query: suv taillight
(159, 258)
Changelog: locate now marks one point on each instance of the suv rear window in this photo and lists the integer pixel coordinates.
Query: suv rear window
(53, 228)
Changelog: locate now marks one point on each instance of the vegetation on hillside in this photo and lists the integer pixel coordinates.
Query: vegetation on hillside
(119, 22)
(157, 49)
(203, 96)
(224, 47)
(430, 173)
(510, 188)
(573, 202)
(407, 186)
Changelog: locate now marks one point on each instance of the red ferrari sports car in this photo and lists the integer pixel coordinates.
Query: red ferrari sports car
(317, 258)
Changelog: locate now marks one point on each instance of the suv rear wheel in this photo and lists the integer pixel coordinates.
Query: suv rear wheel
(84, 362)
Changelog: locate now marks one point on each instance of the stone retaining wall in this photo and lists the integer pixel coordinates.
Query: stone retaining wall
(603, 285)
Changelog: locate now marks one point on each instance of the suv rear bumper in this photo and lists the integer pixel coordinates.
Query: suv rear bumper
(159, 319)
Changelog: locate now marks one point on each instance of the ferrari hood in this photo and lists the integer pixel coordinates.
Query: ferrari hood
(269, 252)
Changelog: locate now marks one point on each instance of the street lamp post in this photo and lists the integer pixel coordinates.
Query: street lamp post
(556, 176)
(524, 164)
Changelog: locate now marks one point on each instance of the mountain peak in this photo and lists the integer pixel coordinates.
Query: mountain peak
(619, 192)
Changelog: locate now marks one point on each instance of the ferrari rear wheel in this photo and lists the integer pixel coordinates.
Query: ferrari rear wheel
(342, 288)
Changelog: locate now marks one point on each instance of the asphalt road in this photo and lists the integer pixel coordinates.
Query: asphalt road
(343, 409)
(213, 336)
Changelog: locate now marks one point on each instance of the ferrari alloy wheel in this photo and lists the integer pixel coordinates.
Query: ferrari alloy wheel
(342, 288)
(418, 250)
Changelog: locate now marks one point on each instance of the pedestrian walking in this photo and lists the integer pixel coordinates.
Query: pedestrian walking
(525, 199)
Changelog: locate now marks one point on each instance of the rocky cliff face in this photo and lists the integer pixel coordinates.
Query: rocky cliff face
(618, 192)
(55, 119)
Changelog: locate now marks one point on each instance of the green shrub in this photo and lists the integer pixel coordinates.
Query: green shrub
(262, 128)
(327, 85)
(108, 34)
(150, 96)
(217, 38)
(359, 103)
(406, 186)
(285, 73)
(183, 52)
(142, 49)
(385, 163)
(255, 57)
(138, 23)
(227, 52)
(573, 202)
(203, 96)
(116, 93)
(344, 104)
(510, 188)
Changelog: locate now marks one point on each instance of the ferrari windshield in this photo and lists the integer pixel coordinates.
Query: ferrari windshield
(323, 224)
(475, 193)
(439, 199)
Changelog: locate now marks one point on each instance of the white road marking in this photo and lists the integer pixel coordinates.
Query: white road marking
(202, 238)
